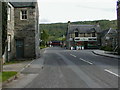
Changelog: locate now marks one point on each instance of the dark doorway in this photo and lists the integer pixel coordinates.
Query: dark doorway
(19, 48)
(85, 44)
(76, 34)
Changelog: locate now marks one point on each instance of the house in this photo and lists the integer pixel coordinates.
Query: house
(23, 30)
(82, 36)
(118, 30)
(109, 38)
(0, 30)
(3, 29)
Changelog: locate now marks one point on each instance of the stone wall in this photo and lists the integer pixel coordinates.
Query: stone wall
(10, 28)
(37, 33)
(0, 30)
(118, 18)
(0, 37)
(27, 30)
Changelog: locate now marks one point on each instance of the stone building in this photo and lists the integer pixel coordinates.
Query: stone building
(0, 30)
(118, 19)
(85, 36)
(23, 30)
(3, 28)
(10, 31)
(109, 38)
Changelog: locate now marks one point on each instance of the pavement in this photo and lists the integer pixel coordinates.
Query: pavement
(16, 67)
(21, 67)
(106, 53)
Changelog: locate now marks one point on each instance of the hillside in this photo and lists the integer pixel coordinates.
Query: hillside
(57, 30)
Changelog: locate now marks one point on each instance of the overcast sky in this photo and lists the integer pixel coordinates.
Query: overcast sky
(53, 11)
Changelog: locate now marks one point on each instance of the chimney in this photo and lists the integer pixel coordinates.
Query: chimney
(69, 22)
(97, 24)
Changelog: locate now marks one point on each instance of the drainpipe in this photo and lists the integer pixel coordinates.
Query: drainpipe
(68, 35)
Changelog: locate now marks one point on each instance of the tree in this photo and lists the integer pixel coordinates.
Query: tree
(44, 37)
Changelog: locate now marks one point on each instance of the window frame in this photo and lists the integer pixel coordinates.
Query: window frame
(21, 15)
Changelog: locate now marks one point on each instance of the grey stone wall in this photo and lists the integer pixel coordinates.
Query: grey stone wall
(37, 35)
(10, 28)
(0, 37)
(27, 30)
(0, 30)
(118, 19)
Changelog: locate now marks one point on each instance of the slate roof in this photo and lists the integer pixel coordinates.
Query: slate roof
(108, 31)
(23, 4)
(84, 28)
(104, 32)
(112, 31)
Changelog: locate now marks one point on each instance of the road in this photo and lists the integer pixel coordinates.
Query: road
(69, 69)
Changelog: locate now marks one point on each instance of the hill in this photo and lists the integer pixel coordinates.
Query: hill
(57, 30)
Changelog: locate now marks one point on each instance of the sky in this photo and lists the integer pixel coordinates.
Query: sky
(55, 11)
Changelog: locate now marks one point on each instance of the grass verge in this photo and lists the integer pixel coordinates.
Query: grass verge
(0, 77)
(7, 74)
(13, 62)
(42, 47)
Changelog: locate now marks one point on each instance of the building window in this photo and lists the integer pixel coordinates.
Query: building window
(9, 43)
(24, 15)
(93, 34)
(76, 34)
(9, 13)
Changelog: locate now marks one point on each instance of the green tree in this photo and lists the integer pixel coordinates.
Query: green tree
(44, 38)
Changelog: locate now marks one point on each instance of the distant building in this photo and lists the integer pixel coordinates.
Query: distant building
(83, 36)
(118, 19)
(109, 38)
(23, 30)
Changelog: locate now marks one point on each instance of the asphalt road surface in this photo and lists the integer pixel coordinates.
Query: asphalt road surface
(70, 69)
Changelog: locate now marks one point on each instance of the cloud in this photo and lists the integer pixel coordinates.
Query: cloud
(106, 9)
(44, 20)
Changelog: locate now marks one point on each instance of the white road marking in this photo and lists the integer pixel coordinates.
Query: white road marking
(86, 61)
(72, 55)
(111, 72)
(82, 75)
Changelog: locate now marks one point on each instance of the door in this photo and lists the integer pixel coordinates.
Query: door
(86, 44)
(19, 48)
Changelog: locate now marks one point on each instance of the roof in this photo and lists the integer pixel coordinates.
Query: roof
(83, 28)
(108, 31)
(23, 4)
(112, 31)
(104, 32)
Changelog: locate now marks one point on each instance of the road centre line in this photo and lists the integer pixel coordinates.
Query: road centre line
(86, 61)
(72, 55)
(111, 72)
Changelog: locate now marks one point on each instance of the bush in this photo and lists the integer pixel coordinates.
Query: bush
(119, 51)
(106, 48)
(41, 47)
(102, 47)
